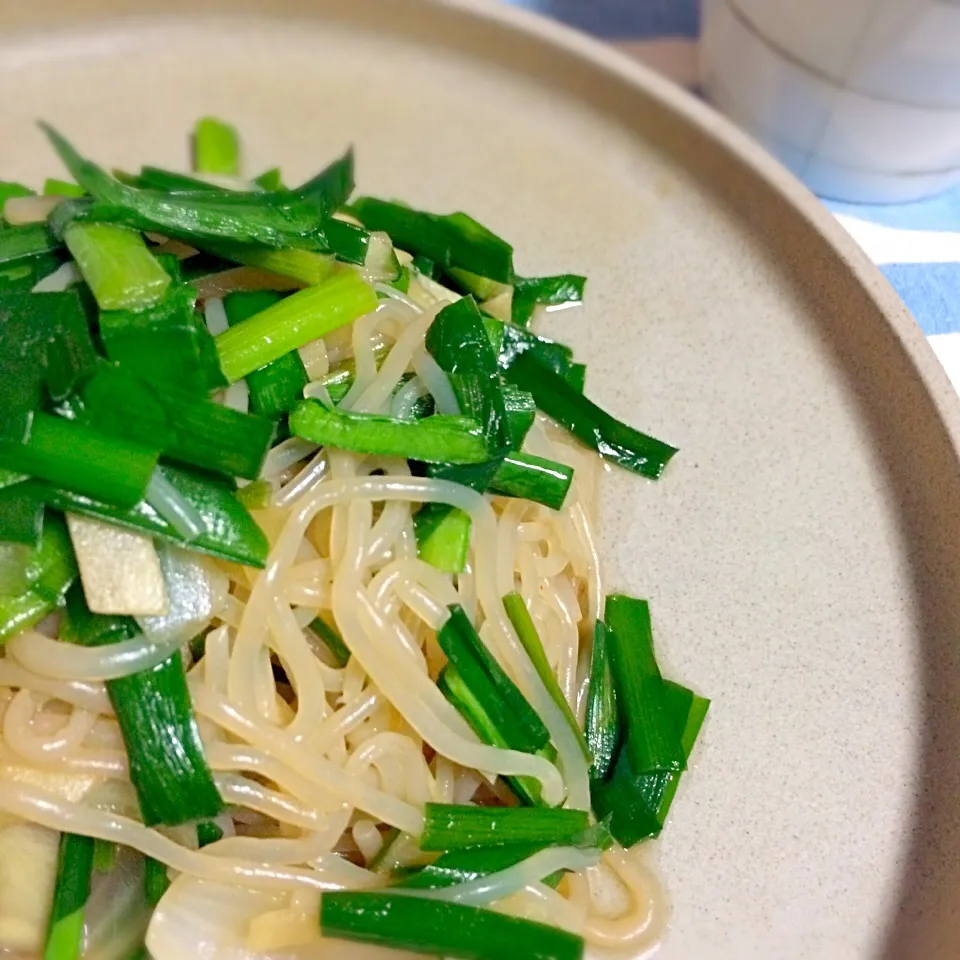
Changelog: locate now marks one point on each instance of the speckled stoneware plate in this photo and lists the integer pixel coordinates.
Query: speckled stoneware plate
(803, 551)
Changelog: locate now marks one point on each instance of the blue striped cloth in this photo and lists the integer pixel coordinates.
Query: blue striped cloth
(916, 245)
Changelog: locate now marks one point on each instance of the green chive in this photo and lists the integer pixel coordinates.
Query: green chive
(602, 720)
(196, 432)
(493, 726)
(21, 515)
(533, 478)
(61, 188)
(208, 832)
(48, 571)
(332, 640)
(166, 344)
(453, 240)
(167, 181)
(450, 826)
(277, 220)
(115, 262)
(293, 322)
(82, 460)
(441, 929)
(155, 881)
(529, 293)
(229, 531)
(464, 866)
(26, 240)
(276, 388)
(70, 895)
(517, 721)
(509, 341)
(216, 147)
(521, 412)
(612, 439)
(270, 179)
(443, 536)
(438, 439)
(104, 855)
(652, 741)
(527, 632)
(168, 768)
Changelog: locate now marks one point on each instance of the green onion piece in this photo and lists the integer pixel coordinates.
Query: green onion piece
(280, 219)
(509, 341)
(449, 826)
(229, 531)
(71, 355)
(208, 832)
(457, 340)
(441, 929)
(82, 460)
(167, 764)
(332, 640)
(651, 738)
(443, 536)
(638, 804)
(521, 412)
(26, 240)
(438, 439)
(278, 386)
(23, 355)
(631, 801)
(493, 726)
(209, 435)
(115, 262)
(21, 515)
(690, 711)
(307, 266)
(531, 292)
(166, 344)
(522, 727)
(104, 855)
(48, 571)
(44, 338)
(463, 866)
(612, 439)
(533, 478)
(293, 322)
(70, 895)
(270, 179)
(602, 721)
(216, 147)
(454, 240)
(61, 188)
(196, 432)
(527, 632)
(155, 881)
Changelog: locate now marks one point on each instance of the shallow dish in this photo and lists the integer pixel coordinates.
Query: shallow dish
(801, 553)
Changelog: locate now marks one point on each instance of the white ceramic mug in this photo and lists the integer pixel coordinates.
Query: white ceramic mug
(861, 98)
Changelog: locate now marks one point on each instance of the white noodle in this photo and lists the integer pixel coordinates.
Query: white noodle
(316, 758)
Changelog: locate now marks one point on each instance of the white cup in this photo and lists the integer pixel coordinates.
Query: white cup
(861, 98)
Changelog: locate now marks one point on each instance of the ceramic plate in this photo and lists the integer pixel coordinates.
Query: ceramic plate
(801, 554)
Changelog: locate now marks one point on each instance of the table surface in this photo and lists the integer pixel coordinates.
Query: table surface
(916, 245)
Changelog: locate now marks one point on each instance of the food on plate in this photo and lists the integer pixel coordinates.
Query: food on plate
(306, 636)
